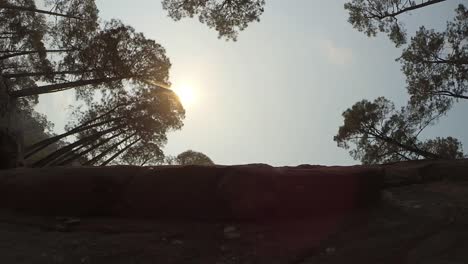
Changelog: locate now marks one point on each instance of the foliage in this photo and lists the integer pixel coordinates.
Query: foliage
(129, 128)
(189, 157)
(373, 16)
(436, 65)
(446, 148)
(228, 17)
(64, 47)
(380, 133)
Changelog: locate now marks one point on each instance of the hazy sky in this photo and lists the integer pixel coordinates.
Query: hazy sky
(276, 95)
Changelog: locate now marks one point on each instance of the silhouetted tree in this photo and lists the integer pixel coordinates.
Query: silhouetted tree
(33, 33)
(372, 16)
(228, 17)
(380, 134)
(129, 124)
(436, 64)
(191, 157)
(115, 55)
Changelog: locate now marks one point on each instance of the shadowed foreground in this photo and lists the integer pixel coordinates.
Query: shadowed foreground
(414, 212)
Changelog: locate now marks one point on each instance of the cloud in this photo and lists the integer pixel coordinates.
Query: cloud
(336, 55)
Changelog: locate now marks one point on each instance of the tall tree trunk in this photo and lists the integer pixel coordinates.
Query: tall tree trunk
(67, 155)
(21, 53)
(451, 94)
(35, 10)
(425, 154)
(120, 152)
(414, 7)
(52, 88)
(81, 154)
(87, 140)
(33, 149)
(105, 152)
(145, 161)
(32, 74)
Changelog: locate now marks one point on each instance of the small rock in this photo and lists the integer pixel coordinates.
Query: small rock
(72, 221)
(177, 242)
(232, 235)
(229, 229)
(330, 250)
(230, 232)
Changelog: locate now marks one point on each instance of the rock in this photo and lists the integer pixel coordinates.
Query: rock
(231, 232)
(330, 250)
(177, 242)
(229, 229)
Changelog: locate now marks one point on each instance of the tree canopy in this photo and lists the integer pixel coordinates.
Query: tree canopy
(380, 133)
(227, 17)
(188, 157)
(191, 157)
(436, 64)
(120, 75)
(373, 16)
(114, 55)
(130, 128)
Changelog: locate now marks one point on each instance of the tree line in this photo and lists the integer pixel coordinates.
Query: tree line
(434, 63)
(120, 78)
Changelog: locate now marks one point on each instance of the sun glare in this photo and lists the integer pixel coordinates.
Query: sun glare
(186, 94)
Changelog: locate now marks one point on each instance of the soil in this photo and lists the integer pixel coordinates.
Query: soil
(423, 222)
(417, 224)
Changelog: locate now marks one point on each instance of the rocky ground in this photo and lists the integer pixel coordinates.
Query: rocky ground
(421, 218)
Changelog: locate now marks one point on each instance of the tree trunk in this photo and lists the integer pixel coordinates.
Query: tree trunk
(52, 88)
(425, 154)
(428, 3)
(81, 154)
(32, 74)
(87, 140)
(120, 152)
(21, 53)
(35, 10)
(31, 150)
(451, 94)
(66, 155)
(105, 152)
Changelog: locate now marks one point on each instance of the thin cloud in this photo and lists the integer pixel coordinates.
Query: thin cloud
(336, 55)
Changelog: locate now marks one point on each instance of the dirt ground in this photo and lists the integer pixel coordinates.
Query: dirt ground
(423, 223)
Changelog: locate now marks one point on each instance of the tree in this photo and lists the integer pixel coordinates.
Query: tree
(115, 55)
(228, 17)
(436, 65)
(23, 31)
(130, 124)
(380, 134)
(29, 6)
(372, 16)
(191, 157)
(34, 41)
(30, 31)
(188, 157)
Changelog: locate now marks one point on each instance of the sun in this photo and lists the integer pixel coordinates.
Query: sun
(186, 94)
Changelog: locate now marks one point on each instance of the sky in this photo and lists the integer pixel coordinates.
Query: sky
(277, 94)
